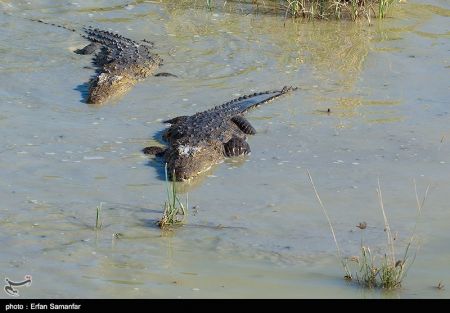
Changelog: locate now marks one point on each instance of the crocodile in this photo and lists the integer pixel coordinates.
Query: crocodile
(121, 62)
(199, 141)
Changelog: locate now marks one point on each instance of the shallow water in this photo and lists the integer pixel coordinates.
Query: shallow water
(387, 86)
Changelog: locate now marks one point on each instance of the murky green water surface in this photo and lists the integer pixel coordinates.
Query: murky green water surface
(257, 229)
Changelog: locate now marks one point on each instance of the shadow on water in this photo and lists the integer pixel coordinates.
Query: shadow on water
(149, 222)
(158, 162)
(127, 207)
(83, 89)
(153, 223)
(158, 136)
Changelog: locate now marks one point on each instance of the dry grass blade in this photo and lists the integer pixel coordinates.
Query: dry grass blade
(387, 228)
(344, 264)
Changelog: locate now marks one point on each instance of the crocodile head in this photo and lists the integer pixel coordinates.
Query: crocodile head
(188, 161)
(116, 79)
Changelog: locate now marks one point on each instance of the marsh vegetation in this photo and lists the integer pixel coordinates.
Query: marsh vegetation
(387, 269)
(174, 212)
(316, 9)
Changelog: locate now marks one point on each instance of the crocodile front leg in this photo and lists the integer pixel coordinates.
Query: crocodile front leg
(235, 147)
(89, 49)
(153, 150)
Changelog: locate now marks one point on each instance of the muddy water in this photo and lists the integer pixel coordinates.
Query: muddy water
(256, 229)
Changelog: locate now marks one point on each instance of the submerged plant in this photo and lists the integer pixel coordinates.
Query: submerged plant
(389, 272)
(174, 211)
(98, 218)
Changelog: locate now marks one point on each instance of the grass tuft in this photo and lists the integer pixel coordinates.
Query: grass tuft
(174, 211)
(383, 6)
(390, 271)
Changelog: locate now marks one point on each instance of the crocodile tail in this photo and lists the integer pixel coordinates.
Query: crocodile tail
(107, 38)
(245, 103)
(46, 23)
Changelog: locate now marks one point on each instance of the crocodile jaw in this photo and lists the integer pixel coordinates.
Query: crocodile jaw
(189, 161)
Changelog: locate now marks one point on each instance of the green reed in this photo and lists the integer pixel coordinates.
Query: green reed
(174, 211)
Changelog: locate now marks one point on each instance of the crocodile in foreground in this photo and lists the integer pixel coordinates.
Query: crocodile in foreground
(120, 62)
(197, 142)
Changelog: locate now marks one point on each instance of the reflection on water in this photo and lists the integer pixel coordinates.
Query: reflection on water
(256, 223)
(337, 51)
